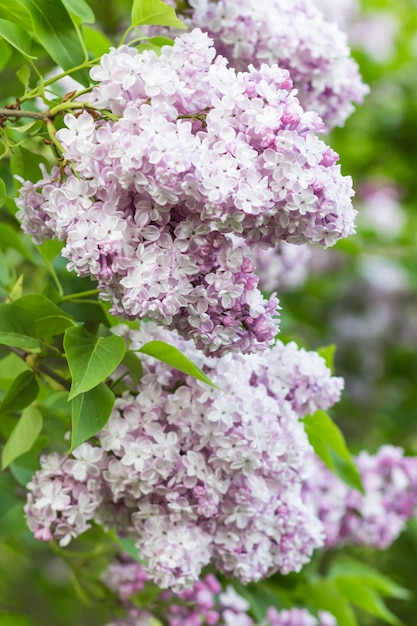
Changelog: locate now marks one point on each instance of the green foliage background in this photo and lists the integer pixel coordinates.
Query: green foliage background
(43, 584)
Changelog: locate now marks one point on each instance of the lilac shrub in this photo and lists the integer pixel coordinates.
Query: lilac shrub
(194, 156)
(198, 474)
(375, 518)
(204, 603)
(295, 35)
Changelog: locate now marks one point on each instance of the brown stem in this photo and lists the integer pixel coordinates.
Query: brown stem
(27, 357)
(36, 115)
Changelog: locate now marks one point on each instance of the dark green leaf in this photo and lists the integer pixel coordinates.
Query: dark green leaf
(329, 445)
(17, 329)
(91, 359)
(21, 393)
(134, 365)
(172, 356)
(49, 319)
(16, 36)
(90, 412)
(23, 436)
(154, 12)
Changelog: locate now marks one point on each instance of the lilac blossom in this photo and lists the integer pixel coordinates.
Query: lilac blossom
(151, 205)
(205, 603)
(199, 474)
(295, 35)
(375, 518)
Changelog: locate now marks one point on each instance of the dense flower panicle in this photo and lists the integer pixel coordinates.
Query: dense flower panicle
(151, 205)
(204, 603)
(295, 35)
(376, 518)
(198, 474)
(65, 494)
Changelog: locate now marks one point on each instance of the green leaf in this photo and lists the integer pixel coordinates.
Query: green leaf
(14, 12)
(13, 522)
(6, 52)
(14, 619)
(327, 353)
(55, 31)
(154, 12)
(9, 237)
(16, 290)
(134, 365)
(91, 359)
(48, 318)
(26, 164)
(127, 544)
(23, 436)
(17, 329)
(90, 412)
(50, 249)
(23, 75)
(366, 598)
(81, 9)
(346, 567)
(97, 43)
(3, 193)
(21, 393)
(329, 445)
(4, 271)
(17, 37)
(172, 356)
(324, 595)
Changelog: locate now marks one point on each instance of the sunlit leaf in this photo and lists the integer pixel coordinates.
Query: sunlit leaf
(55, 31)
(329, 445)
(81, 9)
(23, 436)
(154, 12)
(172, 356)
(17, 37)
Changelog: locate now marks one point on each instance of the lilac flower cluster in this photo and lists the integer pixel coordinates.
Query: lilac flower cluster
(150, 205)
(198, 474)
(205, 603)
(295, 35)
(376, 518)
